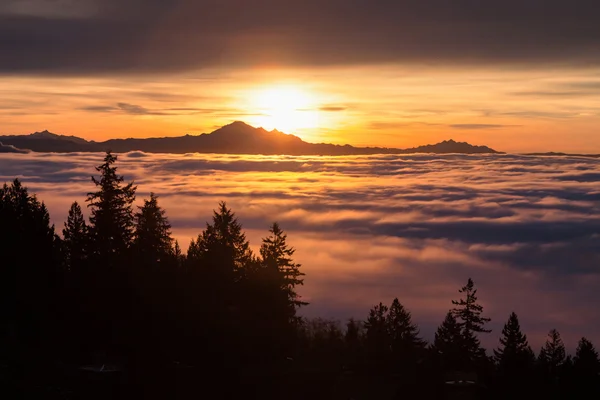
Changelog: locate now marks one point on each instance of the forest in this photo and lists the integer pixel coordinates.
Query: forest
(218, 320)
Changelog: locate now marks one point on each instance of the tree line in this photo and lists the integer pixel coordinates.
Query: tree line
(117, 288)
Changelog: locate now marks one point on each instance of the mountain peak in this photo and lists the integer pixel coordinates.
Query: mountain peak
(44, 133)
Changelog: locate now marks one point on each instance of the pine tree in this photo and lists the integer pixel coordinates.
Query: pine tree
(377, 336)
(276, 254)
(448, 344)
(404, 335)
(552, 355)
(30, 274)
(152, 236)
(586, 362)
(469, 314)
(221, 251)
(112, 328)
(75, 238)
(514, 356)
(112, 221)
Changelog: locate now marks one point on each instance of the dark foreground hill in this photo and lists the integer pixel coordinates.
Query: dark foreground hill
(235, 138)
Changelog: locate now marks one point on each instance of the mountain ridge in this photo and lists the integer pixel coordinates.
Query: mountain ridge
(234, 138)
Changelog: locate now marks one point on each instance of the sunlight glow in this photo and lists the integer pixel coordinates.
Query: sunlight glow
(285, 108)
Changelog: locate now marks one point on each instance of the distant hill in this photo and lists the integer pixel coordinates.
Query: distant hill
(235, 138)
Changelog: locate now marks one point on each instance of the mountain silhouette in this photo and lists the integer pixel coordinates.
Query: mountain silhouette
(235, 138)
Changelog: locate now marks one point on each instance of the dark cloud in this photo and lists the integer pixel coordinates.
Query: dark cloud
(134, 109)
(102, 109)
(159, 35)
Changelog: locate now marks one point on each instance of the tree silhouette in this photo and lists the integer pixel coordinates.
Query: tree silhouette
(152, 237)
(218, 264)
(586, 366)
(30, 277)
(377, 336)
(222, 249)
(552, 355)
(469, 314)
(276, 254)
(75, 239)
(112, 221)
(448, 343)
(405, 344)
(404, 335)
(514, 357)
(514, 352)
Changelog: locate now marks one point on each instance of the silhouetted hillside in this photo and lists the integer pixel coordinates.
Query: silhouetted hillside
(235, 138)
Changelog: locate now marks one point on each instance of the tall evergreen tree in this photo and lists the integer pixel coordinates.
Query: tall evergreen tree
(377, 336)
(112, 220)
(109, 284)
(75, 238)
(218, 264)
(276, 254)
(448, 343)
(30, 275)
(469, 314)
(552, 355)
(221, 251)
(514, 352)
(152, 237)
(586, 361)
(404, 334)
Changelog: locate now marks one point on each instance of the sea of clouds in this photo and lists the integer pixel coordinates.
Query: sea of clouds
(371, 228)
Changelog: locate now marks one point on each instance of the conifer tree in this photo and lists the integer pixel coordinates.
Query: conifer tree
(447, 343)
(586, 361)
(514, 355)
(277, 255)
(469, 315)
(29, 272)
(377, 335)
(221, 250)
(75, 238)
(112, 221)
(552, 355)
(404, 335)
(152, 236)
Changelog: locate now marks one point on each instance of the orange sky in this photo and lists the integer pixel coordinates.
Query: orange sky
(514, 110)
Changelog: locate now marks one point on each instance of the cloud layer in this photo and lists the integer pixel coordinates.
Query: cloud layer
(367, 229)
(94, 36)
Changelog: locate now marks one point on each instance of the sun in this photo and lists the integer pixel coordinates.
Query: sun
(285, 108)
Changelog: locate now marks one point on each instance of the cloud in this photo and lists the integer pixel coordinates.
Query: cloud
(8, 148)
(103, 109)
(134, 109)
(158, 35)
(370, 228)
(480, 126)
(551, 94)
(333, 108)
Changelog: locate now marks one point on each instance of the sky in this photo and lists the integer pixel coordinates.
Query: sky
(371, 228)
(516, 75)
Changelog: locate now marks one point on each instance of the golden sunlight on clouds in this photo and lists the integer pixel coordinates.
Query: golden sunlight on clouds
(510, 110)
